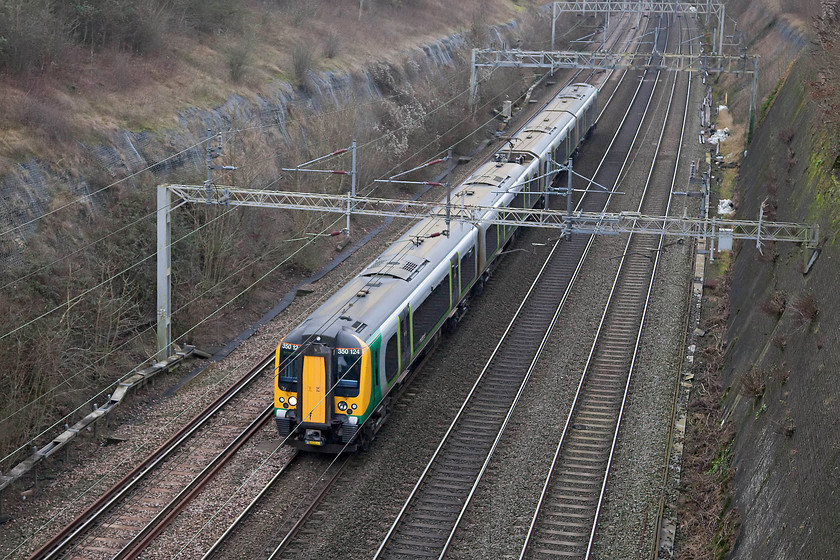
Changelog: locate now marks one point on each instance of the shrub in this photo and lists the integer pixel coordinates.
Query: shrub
(791, 159)
(332, 42)
(752, 384)
(30, 35)
(237, 58)
(775, 304)
(302, 62)
(768, 253)
(477, 33)
(145, 33)
(780, 341)
(212, 16)
(805, 309)
(137, 26)
(49, 120)
(772, 186)
(787, 427)
(786, 135)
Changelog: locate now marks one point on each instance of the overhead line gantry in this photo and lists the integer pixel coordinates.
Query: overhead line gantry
(568, 222)
(707, 9)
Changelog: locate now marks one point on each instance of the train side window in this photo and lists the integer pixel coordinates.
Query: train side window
(392, 358)
(591, 113)
(432, 310)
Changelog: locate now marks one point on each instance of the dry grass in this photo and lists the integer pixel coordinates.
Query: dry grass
(708, 525)
(786, 135)
(118, 89)
(768, 253)
(752, 384)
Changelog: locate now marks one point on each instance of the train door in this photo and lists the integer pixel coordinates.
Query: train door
(548, 172)
(468, 268)
(316, 377)
(405, 339)
(562, 152)
(455, 281)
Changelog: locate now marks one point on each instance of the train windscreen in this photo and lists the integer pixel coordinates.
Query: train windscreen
(287, 374)
(348, 371)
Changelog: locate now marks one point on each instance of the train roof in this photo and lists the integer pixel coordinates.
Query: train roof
(552, 121)
(361, 306)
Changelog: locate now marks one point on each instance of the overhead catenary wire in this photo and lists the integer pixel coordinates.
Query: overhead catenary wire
(80, 199)
(67, 379)
(275, 451)
(475, 131)
(372, 187)
(239, 488)
(76, 298)
(103, 391)
(98, 191)
(139, 172)
(385, 136)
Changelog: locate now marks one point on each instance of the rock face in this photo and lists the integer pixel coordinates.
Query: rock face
(783, 334)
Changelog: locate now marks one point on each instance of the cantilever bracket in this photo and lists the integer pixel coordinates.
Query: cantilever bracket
(812, 249)
(811, 255)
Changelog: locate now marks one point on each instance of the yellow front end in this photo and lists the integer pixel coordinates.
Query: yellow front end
(323, 389)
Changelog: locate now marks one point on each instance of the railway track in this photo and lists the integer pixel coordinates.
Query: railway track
(566, 517)
(127, 517)
(427, 522)
(297, 540)
(299, 532)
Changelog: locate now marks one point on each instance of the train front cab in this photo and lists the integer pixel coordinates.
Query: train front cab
(322, 393)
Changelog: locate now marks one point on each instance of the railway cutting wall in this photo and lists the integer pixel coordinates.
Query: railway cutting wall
(780, 371)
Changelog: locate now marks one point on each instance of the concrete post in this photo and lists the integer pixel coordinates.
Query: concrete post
(352, 185)
(473, 82)
(569, 189)
(164, 268)
(752, 98)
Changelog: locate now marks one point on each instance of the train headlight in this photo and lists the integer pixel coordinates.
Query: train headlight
(281, 399)
(353, 406)
(342, 406)
(293, 401)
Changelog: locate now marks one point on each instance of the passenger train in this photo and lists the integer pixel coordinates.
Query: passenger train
(335, 374)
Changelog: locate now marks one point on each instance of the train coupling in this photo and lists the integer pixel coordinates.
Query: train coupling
(313, 437)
